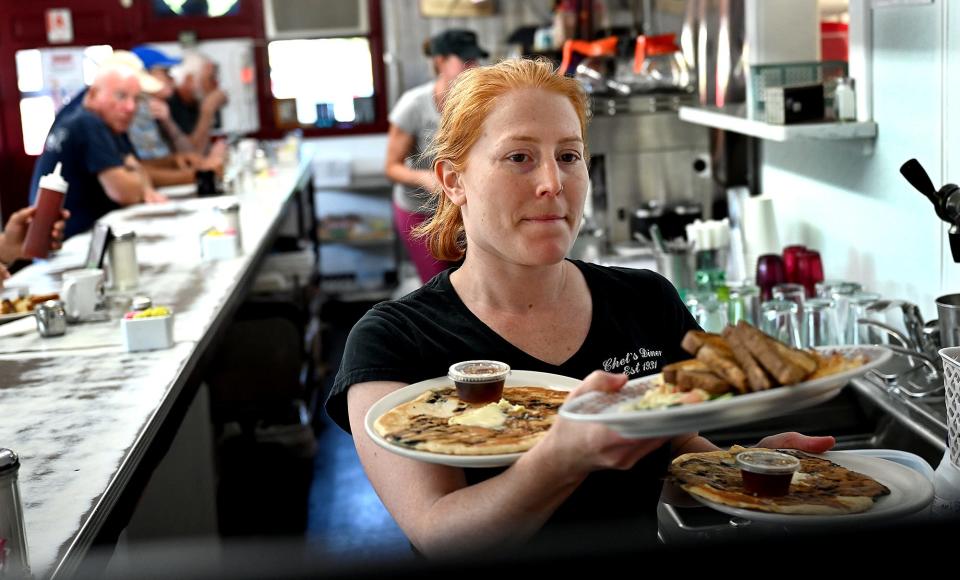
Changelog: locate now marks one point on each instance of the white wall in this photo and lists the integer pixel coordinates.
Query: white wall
(848, 199)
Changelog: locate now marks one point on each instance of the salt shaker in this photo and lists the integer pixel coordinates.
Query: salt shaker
(124, 270)
(51, 318)
(13, 537)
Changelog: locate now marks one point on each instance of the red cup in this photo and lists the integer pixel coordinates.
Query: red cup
(809, 271)
(770, 272)
(791, 257)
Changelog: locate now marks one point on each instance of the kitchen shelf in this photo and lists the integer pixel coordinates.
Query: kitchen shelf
(735, 119)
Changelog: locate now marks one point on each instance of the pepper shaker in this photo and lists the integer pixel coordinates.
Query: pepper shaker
(13, 537)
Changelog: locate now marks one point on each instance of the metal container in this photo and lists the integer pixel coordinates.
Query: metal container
(124, 269)
(14, 562)
(51, 318)
(229, 219)
(948, 308)
(141, 303)
(677, 266)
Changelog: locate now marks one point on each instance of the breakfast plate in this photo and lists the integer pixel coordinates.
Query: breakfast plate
(411, 392)
(910, 492)
(613, 409)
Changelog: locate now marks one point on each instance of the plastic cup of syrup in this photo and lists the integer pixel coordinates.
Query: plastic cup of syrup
(479, 381)
(767, 473)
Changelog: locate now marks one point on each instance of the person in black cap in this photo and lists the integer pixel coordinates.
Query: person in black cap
(412, 124)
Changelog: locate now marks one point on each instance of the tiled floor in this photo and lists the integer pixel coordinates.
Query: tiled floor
(346, 516)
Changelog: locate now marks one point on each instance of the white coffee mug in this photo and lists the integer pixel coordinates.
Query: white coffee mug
(82, 293)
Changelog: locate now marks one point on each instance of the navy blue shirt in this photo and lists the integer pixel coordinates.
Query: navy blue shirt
(86, 146)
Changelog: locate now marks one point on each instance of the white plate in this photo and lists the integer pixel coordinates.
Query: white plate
(174, 191)
(410, 392)
(14, 316)
(910, 492)
(605, 407)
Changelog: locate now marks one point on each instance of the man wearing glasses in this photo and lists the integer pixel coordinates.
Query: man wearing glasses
(98, 160)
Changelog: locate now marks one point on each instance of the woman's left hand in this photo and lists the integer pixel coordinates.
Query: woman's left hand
(794, 440)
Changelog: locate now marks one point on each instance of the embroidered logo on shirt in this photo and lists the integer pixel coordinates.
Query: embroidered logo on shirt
(55, 139)
(634, 362)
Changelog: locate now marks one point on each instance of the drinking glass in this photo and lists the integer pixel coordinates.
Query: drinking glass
(779, 319)
(791, 262)
(839, 291)
(857, 309)
(820, 323)
(710, 313)
(791, 292)
(809, 271)
(770, 272)
(744, 303)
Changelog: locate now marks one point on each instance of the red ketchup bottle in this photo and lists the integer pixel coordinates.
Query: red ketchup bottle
(50, 197)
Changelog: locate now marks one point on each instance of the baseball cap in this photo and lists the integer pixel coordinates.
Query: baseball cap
(460, 42)
(126, 60)
(152, 57)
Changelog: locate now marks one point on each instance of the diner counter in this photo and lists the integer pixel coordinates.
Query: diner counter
(78, 409)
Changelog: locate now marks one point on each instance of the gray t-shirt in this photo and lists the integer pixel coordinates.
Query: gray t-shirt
(416, 114)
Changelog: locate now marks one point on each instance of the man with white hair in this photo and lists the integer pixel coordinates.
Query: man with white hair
(197, 98)
(90, 141)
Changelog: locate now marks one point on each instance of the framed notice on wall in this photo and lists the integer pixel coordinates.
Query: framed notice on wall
(285, 113)
(457, 8)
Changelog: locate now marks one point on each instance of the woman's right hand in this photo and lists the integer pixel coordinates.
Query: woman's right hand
(578, 448)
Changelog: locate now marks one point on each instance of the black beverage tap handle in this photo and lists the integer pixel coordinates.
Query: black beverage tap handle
(918, 178)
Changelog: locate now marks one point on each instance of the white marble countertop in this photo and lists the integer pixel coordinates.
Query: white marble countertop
(78, 409)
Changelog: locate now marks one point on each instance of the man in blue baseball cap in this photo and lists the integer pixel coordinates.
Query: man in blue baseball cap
(168, 154)
(153, 58)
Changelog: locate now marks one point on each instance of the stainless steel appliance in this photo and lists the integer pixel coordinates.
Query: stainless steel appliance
(642, 152)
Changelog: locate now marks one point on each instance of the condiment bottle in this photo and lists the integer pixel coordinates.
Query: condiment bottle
(124, 270)
(13, 537)
(845, 100)
(50, 196)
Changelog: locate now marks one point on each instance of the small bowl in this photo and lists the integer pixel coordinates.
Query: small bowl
(479, 381)
(767, 473)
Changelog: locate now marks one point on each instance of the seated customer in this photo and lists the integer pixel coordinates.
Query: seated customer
(197, 98)
(13, 235)
(165, 151)
(91, 142)
(510, 159)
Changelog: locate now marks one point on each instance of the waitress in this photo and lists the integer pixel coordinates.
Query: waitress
(413, 122)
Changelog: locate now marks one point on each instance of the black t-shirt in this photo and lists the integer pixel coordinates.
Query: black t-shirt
(637, 325)
(86, 146)
(184, 114)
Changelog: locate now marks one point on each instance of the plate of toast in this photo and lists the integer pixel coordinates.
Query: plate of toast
(739, 376)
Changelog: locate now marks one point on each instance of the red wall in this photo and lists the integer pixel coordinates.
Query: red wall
(22, 26)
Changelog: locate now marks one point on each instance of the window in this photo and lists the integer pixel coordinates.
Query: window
(207, 8)
(327, 81)
(48, 79)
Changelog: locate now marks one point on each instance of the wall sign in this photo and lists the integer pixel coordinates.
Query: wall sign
(59, 26)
